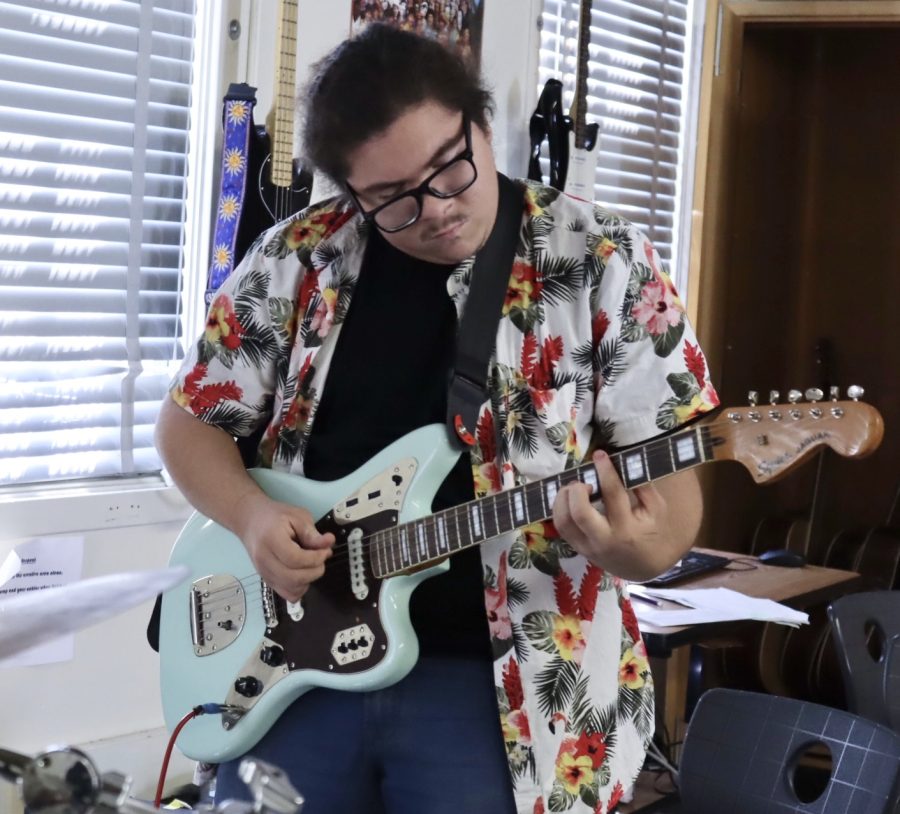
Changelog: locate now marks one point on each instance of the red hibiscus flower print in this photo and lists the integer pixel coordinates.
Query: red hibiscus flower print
(599, 327)
(222, 324)
(629, 620)
(617, 794)
(524, 287)
(593, 745)
(307, 232)
(200, 398)
(695, 362)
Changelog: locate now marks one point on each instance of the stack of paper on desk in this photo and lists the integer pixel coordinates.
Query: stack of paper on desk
(703, 605)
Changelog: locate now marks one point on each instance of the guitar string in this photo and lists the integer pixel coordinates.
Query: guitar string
(389, 536)
(653, 451)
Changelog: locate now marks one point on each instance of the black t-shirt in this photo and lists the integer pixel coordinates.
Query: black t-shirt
(388, 377)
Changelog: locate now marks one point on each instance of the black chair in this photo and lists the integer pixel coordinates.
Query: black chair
(892, 682)
(746, 753)
(863, 625)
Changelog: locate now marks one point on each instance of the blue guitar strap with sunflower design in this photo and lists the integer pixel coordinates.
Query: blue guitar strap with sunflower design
(238, 124)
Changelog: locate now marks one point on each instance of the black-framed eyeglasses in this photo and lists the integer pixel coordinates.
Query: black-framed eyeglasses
(447, 181)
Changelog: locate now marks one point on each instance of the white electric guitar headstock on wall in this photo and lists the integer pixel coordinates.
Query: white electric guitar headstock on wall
(582, 167)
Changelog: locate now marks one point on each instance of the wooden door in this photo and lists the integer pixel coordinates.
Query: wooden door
(796, 237)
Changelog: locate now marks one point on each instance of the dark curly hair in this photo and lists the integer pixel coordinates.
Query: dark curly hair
(366, 83)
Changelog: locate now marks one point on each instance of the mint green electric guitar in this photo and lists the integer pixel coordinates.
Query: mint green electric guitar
(227, 638)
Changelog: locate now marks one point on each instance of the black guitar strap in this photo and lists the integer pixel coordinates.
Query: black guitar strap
(478, 326)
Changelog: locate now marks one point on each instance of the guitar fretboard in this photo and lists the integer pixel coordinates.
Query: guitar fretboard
(285, 72)
(429, 539)
(581, 75)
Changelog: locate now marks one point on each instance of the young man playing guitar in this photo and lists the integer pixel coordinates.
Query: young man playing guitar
(337, 334)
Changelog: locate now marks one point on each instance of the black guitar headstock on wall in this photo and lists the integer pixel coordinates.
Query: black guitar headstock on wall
(550, 122)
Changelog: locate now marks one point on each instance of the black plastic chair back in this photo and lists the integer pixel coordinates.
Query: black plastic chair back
(863, 624)
(892, 682)
(742, 755)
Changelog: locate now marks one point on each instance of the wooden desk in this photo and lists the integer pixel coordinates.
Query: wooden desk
(669, 647)
(796, 587)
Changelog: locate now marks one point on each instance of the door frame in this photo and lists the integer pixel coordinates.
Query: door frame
(718, 115)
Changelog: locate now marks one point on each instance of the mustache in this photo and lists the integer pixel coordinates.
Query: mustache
(435, 230)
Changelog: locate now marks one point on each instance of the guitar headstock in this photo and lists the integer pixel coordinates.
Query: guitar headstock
(771, 439)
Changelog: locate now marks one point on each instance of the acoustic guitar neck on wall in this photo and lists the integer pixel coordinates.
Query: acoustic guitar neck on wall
(582, 169)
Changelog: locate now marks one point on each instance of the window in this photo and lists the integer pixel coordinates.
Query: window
(636, 92)
(94, 116)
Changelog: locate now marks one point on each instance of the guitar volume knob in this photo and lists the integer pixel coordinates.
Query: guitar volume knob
(248, 686)
(272, 655)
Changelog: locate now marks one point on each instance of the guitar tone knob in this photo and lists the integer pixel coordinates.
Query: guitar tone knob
(855, 392)
(248, 686)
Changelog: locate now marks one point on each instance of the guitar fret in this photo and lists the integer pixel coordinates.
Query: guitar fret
(389, 551)
(533, 502)
(377, 553)
(545, 510)
(567, 477)
(657, 463)
(491, 519)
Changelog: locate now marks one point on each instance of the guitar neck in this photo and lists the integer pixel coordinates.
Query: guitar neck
(282, 134)
(578, 113)
(422, 542)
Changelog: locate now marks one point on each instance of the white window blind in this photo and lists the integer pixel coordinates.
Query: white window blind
(635, 93)
(94, 102)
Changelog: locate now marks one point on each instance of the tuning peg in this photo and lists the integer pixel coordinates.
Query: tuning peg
(855, 392)
(834, 392)
(814, 394)
(752, 398)
(774, 395)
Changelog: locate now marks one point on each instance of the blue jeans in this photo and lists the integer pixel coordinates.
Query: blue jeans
(430, 744)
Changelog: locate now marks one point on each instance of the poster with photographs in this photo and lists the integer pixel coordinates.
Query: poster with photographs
(455, 23)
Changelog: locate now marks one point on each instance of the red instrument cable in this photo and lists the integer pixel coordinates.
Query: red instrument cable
(199, 710)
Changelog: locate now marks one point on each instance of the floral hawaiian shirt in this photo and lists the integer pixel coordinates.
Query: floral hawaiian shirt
(593, 349)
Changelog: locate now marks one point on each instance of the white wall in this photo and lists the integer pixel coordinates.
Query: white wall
(107, 698)
(508, 59)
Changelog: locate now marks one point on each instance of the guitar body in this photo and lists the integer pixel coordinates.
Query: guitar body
(380, 645)
(268, 204)
(227, 639)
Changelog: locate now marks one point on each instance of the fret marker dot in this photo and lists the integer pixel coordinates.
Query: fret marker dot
(685, 450)
(634, 465)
